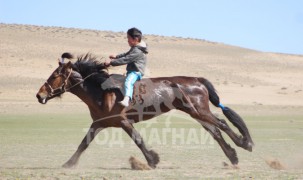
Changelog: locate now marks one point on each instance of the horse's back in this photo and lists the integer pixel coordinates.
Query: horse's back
(182, 80)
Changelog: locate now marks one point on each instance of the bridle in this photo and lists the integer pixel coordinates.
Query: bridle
(62, 88)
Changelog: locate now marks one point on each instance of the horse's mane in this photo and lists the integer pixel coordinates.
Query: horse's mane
(89, 65)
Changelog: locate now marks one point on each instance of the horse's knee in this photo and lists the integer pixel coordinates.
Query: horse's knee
(217, 134)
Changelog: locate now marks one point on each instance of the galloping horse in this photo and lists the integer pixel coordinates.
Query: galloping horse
(152, 97)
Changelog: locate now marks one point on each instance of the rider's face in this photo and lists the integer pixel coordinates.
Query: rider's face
(132, 42)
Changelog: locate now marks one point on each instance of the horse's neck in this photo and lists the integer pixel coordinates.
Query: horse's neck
(89, 99)
(100, 103)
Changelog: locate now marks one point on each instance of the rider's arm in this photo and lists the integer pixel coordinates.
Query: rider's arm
(130, 57)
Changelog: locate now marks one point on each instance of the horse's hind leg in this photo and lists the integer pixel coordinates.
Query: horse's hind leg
(92, 132)
(197, 106)
(237, 139)
(222, 125)
(227, 149)
(207, 116)
(199, 110)
(211, 127)
(151, 156)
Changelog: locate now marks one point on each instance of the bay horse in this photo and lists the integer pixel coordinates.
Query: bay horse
(152, 97)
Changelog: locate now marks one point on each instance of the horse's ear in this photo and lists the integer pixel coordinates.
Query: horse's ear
(69, 64)
(60, 62)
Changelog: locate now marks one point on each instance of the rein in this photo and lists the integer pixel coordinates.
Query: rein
(62, 87)
(80, 81)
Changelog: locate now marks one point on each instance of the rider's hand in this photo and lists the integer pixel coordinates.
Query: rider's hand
(107, 62)
(112, 57)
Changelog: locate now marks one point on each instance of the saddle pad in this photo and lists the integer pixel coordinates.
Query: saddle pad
(115, 81)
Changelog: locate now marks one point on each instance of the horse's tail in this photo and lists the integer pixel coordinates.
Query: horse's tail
(231, 115)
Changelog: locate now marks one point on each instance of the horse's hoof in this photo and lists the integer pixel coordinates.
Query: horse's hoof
(68, 165)
(234, 160)
(153, 166)
(154, 159)
(249, 146)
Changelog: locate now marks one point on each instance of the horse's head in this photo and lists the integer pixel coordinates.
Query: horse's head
(55, 85)
(70, 75)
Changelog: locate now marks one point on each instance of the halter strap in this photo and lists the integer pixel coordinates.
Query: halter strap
(62, 87)
(67, 89)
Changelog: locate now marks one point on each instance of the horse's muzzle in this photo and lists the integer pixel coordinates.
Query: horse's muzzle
(41, 98)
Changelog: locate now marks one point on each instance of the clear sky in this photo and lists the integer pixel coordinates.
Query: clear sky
(265, 25)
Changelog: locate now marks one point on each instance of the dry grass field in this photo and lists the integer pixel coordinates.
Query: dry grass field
(266, 89)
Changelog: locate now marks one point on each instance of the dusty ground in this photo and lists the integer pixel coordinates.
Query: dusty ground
(265, 88)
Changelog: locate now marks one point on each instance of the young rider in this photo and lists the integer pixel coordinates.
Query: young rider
(135, 59)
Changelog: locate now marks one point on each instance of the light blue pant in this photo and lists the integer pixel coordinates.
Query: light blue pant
(130, 80)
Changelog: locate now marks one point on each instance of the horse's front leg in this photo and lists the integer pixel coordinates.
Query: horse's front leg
(92, 132)
(151, 156)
